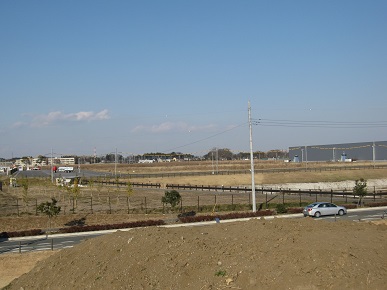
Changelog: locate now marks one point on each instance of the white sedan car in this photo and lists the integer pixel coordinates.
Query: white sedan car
(318, 209)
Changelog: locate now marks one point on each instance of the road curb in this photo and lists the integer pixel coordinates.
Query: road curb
(297, 215)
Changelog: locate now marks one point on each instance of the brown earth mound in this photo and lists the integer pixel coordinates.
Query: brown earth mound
(258, 254)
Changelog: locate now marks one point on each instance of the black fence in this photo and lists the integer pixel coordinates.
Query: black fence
(216, 199)
(222, 188)
(134, 184)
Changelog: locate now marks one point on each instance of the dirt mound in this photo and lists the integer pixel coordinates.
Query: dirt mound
(258, 254)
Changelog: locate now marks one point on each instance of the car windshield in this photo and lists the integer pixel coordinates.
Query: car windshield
(312, 205)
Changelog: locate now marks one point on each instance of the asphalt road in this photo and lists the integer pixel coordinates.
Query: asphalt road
(62, 241)
(44, 243)
(359, 215)
(47, 173)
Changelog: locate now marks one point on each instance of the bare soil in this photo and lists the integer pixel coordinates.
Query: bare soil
(15, 265)
(258, 254)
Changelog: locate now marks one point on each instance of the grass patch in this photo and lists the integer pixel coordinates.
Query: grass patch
(220, 273)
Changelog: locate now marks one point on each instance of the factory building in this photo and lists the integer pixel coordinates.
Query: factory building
(363, 151)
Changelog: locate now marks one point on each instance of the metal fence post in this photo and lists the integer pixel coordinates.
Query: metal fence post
(300, 197)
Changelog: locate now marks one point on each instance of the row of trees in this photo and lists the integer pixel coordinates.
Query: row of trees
(213, 154)
(227, 154)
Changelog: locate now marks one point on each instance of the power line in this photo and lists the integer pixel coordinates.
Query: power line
(319, 124)
(209, 137)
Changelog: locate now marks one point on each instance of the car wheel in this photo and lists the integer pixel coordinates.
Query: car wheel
(341, 212)
(317, 214)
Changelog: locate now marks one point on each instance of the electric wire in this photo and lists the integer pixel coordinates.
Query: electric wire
(209, 137)
(318, 124)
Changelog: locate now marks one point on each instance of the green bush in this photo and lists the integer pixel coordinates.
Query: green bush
(281, 208)
(172, 197)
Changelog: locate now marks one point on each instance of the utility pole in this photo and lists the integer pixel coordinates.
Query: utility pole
(115, 165)
(52, 168)
(252, 162)
(217, 159)
(212, 160)
(373, 153)
(306, 157)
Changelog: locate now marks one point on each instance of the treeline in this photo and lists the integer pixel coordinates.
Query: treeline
(213, 154)
(227, 154)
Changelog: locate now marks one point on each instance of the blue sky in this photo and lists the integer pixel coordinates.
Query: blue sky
(163, 76)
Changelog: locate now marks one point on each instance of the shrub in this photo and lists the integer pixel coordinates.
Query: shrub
(376, 204)
(26, 233)
(350, 206)
(172, 197)
(295, 210)
(234, 215)
(281, 208)
(91, 228)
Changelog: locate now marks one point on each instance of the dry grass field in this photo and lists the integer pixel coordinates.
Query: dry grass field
(310, 172)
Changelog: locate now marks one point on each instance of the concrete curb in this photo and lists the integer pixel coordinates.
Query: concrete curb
(297, 215)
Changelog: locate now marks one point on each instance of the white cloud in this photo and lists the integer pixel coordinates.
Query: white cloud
(18, 125)
(172, 127)
(54, 117)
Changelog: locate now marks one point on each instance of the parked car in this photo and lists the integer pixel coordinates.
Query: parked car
(318, 209)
